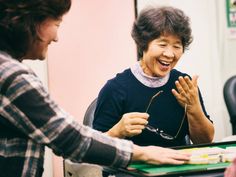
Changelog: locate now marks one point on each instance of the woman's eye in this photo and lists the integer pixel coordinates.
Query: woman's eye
(162, 45)
(58, 23)
(177, 46)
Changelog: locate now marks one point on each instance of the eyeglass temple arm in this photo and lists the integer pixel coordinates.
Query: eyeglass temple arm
(152, 99)
(185, 111)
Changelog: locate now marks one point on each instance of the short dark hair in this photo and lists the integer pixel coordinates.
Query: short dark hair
(19, 20)
(153, 22)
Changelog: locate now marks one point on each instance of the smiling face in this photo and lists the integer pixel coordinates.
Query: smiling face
(162, 55)
(47, 32)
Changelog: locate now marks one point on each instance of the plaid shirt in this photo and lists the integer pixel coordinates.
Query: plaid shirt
(31, 120)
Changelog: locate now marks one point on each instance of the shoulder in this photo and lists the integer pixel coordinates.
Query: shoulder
(8, 66)
(124, 76)
(118, 84)
(13, 73)
(11, 68)
(176, 73)
(121, 79)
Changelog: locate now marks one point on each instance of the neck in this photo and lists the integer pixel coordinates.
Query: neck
(145, 68)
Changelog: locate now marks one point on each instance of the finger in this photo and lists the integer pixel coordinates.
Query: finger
(138, 121)
(179, 87)
(135, 132)
(174, 162)
(177, 158)
(182, 156)
(136, 127)
(138, 114)
(183, 84)
(189, 82)
(178, 96)
(179, 154)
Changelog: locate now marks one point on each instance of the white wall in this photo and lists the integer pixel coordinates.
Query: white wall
(94, 44)
(205, 55)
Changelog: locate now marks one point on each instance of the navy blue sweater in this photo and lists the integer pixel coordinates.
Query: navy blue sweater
(124, 94)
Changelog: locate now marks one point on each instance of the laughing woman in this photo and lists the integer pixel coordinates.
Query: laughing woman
(152, 103)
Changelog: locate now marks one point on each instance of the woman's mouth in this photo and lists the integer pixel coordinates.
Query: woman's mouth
(164, 63)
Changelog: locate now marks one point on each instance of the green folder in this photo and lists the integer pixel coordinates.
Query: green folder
(158, 170)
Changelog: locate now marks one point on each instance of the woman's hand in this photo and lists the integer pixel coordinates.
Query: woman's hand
(159, 155)
(201, 128)
(131, 124)
(187, 93)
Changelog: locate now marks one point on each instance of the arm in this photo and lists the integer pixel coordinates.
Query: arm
(109, 115)
(147, 154)
(200, 127)
(27, 107)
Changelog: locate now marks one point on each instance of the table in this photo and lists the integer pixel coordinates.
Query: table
(187, 170)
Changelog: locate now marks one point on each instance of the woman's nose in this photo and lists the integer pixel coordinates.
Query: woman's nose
(55, 39)
(168, 53)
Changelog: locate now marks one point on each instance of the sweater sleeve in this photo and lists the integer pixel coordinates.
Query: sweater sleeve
(110, 102)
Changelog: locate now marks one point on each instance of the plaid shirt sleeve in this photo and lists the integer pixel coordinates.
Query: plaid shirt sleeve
(27, 105)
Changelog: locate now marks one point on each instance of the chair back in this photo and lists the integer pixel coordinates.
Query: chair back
(89, 114)
(229, 92)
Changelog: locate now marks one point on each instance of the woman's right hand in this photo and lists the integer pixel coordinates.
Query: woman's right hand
(131, 124)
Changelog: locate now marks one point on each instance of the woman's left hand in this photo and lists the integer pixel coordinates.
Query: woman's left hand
(200, 128)
(187, 92)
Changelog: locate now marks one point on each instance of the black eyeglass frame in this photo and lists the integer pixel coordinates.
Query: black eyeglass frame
(161, 132)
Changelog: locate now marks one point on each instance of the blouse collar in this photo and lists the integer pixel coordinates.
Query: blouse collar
(146, 80)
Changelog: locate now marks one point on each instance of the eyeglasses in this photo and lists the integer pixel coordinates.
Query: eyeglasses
(161, 132)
